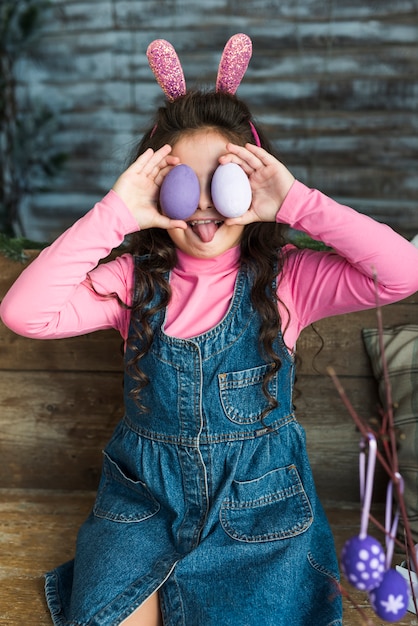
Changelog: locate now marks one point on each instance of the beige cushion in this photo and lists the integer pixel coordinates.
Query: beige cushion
(401, 351)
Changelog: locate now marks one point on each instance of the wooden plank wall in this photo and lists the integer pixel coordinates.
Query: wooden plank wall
(334, 83)
(60, 401)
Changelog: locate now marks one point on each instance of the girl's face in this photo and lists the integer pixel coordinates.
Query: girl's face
(206, 236)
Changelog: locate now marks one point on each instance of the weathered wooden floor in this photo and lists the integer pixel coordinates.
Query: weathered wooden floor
(38, 530)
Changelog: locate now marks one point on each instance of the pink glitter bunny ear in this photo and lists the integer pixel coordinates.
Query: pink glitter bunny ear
(234, 62)
(166, 66)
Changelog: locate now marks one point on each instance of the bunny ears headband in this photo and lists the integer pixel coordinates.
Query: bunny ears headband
(166, 67)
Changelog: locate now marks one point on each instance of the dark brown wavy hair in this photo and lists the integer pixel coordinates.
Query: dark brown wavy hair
(260, 245)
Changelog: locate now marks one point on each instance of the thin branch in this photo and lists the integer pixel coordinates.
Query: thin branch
(363, 427)
(387, 437)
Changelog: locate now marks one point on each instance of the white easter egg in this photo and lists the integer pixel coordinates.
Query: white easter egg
(231, 190)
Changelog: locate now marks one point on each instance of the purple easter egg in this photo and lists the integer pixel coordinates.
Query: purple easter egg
(363, 562)
(180, 192)
(231, 190)
(390, 599)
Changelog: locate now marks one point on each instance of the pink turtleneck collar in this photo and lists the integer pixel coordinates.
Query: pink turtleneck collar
(224, 262)
(202, 291)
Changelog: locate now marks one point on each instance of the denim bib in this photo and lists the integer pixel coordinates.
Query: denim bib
(202, 499)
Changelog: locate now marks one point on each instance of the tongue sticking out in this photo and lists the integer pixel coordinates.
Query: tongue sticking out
(205, 231)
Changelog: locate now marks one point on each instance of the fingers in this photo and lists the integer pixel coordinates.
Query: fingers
(163, 168)
(149, 159)
(154, 165)
(250, 157)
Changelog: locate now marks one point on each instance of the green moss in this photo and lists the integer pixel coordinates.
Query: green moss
(15, 247)
(302, 240)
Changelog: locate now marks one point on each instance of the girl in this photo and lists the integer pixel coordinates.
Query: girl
(206, 512)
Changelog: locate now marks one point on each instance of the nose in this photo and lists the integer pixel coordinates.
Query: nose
(205, 198)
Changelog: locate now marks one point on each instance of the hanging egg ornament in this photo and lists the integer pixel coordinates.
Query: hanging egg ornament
(390, 599)
(231, 190)
(180, 192)
(363, 562)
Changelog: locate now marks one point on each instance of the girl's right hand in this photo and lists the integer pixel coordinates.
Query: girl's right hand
(139, 188)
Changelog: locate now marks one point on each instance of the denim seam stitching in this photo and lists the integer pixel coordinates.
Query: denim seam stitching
(194, 442)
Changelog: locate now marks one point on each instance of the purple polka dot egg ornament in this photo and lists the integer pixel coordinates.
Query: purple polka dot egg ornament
(390, 599)
(363, 562)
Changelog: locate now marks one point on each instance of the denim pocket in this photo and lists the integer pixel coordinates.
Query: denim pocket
(242, 394)
(122, 499)
(269, 508)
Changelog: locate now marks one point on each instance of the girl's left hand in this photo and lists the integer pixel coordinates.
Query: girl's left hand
(270, 181)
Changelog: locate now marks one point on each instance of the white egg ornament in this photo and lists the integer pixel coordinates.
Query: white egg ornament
(390, 599)
(180, 192)
(231, 190)
(363, 562)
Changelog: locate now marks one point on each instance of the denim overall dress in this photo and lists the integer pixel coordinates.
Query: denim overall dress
(201, 500)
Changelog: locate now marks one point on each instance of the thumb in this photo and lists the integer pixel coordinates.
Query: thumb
(170, 224)
(249, 217)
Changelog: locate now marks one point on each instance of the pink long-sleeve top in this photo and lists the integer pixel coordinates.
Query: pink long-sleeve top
(53, 297)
